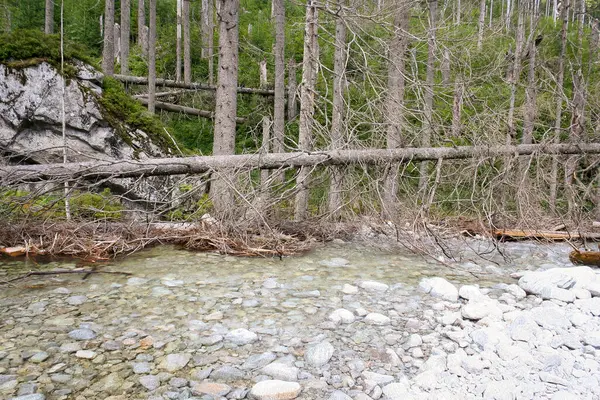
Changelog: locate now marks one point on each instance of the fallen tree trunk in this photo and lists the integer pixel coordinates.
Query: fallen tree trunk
(185, 110)
(505, 234)
(196, 165)
(142, 80)
(590, 258)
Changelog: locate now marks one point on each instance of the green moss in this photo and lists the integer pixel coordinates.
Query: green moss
(126, 115)
(24, 48)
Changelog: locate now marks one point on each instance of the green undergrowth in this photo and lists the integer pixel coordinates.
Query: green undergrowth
(126, 116)
(23, 48)
(20, 205)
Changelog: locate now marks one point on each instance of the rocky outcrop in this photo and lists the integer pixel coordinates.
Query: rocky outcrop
(31, 124)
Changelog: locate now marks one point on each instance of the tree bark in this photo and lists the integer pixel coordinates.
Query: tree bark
(307, 103)
(125, 33)
(559, 103)
(337, 121)
(152, 56)
(17, 174)
(395, 105)
(49, 17)
(176, 108)
(457, 108)
(428, 96)
(108, 50)
(187, 53)
(578, 107)
(292, 103)
(226, 100)
(515, 73)
(178, 44)
(207, 27)
(481, 24)
(141, 23)
(279, 99)
(530, 90)
(140, 80)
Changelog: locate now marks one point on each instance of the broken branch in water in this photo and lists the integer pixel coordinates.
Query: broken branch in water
(63, 271)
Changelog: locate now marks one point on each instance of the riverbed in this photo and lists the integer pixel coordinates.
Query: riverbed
(344, 321)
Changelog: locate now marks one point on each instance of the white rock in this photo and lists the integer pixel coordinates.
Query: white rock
(319, 354)
(87, 354)
(377, 319)
(555, 293)
(175, 362)
(414, 340)
(373, 286)
(150, 382)
(590, 306)
(582, 293)
(524, 328)
(553, 318)
(469, 292)
(349, 289)
(516, 291)
(439, 287)
(281, 371)
(275, 390)
(564, 395)
(380, 379)
(592, 339)
(479, 308)
(342, 315)
(241, 336)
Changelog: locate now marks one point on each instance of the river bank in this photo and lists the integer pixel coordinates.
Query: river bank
(346, 320)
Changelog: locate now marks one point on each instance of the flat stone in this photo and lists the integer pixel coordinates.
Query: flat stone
(82, 334)
(523, 328)
(342, 315)
(211, 388)
(86, 354)
(380, 379)
(373, 286)
(469, 292)
(35, 396)
(227, 373)
(339, 395)
(395, 391)
(319, 354)
(76, 300)
(39, 357)
(439, 287)
(592, 339)
(141, 368)
(479, 308)
(280, 371)
(150, 382)
(377, 319)
(349, 289)
(71, 347)
(175, 362)
(275, 390)
(241, 337)
(552, 318)
(259, 360)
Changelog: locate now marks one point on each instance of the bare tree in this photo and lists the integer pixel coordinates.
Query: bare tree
(514, 74)
(49, 17)
(141, 21)
(187, 54)
(292, 102)
(337, 121)
(207, 27)
(481, 25)
(108, 50)
(428, 96)
(178, 43)
(152, 57)
(125, 33)
(226, 99)
(307, 103)
(395, 103)
(279, 98)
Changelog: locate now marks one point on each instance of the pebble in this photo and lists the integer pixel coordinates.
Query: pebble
(86, 354)
(82, 334)
(175, 362)
(377, 319)
(241, 336)
(275, 390)
(319, 354)
(342, 315)
(150, 382)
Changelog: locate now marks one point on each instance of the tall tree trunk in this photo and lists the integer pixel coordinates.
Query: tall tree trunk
(559, 103)
(481, 25)
(510, 5)
(457, 108)
(152, 56)
(125, 33)
(292, 103)
(338, 127)
(428, 97)
(577, 118)
(458, 12)
(491, 13)
(49, 17)
(187, 54)
(141, 22)
(279, 98)
(395, 105)
(178, 44)
(515, 73)
(108, 50)
(226, 99)
(307, 103)
(207, 28)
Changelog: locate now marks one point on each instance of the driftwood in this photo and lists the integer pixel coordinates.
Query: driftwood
(10, 175)
(63, 272)
(591, 258)
(514, 234)
(185, 110)
(140, 80)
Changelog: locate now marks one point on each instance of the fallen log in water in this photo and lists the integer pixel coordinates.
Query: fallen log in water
(591, 258)
(515, 234)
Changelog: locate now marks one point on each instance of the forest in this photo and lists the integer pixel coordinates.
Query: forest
(391, 109)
